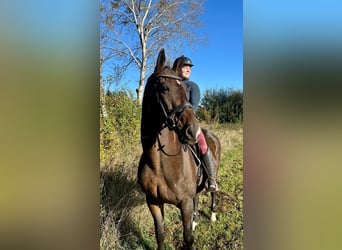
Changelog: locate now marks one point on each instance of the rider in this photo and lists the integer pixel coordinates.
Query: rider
(193, 95)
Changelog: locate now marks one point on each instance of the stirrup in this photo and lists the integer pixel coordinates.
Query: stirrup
(213, 186)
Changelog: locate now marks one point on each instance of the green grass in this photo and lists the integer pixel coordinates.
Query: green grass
(126, 222)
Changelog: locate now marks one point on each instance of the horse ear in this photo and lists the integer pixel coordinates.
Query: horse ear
(177, 64)
(160, 61)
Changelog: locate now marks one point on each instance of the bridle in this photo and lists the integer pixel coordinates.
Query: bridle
(170, 115)
(177, 112)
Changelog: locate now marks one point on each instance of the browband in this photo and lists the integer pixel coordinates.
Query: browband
(170, 76)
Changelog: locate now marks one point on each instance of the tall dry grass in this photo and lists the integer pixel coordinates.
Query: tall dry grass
(126, 222)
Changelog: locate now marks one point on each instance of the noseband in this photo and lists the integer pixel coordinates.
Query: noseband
(177, 111)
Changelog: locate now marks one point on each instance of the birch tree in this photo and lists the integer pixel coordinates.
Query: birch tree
(133, 32)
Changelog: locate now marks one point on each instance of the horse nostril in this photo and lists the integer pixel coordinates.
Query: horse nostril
(192, 132)
(189, 132)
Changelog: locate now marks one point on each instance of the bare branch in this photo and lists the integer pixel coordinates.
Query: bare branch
(132, 31)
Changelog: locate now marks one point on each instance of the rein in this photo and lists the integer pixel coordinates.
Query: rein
(161, 148)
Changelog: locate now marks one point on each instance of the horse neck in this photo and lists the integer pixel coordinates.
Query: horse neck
(175, 161)
(169, 138)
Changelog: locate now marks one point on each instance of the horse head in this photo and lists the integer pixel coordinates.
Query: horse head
(165, 103)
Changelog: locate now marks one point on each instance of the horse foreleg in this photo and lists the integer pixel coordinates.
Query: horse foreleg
(187, 209)
(195, 220)
(213, 206)
(157, 211)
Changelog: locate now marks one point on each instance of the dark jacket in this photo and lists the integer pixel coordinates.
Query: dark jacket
(193, 94)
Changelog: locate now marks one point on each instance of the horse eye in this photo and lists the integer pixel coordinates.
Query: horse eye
(164, 88)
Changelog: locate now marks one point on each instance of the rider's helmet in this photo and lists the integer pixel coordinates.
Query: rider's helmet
(181, 61)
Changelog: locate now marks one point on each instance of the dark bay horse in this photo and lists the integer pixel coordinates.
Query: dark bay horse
(167, 168)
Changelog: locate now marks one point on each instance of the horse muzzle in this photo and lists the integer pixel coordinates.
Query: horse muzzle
(191, 134)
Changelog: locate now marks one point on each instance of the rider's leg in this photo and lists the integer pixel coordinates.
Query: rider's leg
(207, 157)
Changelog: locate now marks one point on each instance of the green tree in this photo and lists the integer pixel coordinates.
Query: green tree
(121, 128)
(221, 106)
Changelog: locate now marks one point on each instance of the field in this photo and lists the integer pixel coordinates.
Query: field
(126, 222)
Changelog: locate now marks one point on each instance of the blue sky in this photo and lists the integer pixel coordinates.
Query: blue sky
(218, 61)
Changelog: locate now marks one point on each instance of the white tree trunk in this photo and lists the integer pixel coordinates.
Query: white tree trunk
(103, 108)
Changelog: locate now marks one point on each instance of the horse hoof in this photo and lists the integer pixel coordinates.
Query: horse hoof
(213, 217)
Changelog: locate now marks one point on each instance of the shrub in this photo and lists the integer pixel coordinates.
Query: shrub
(121, 128)
(221, 106)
